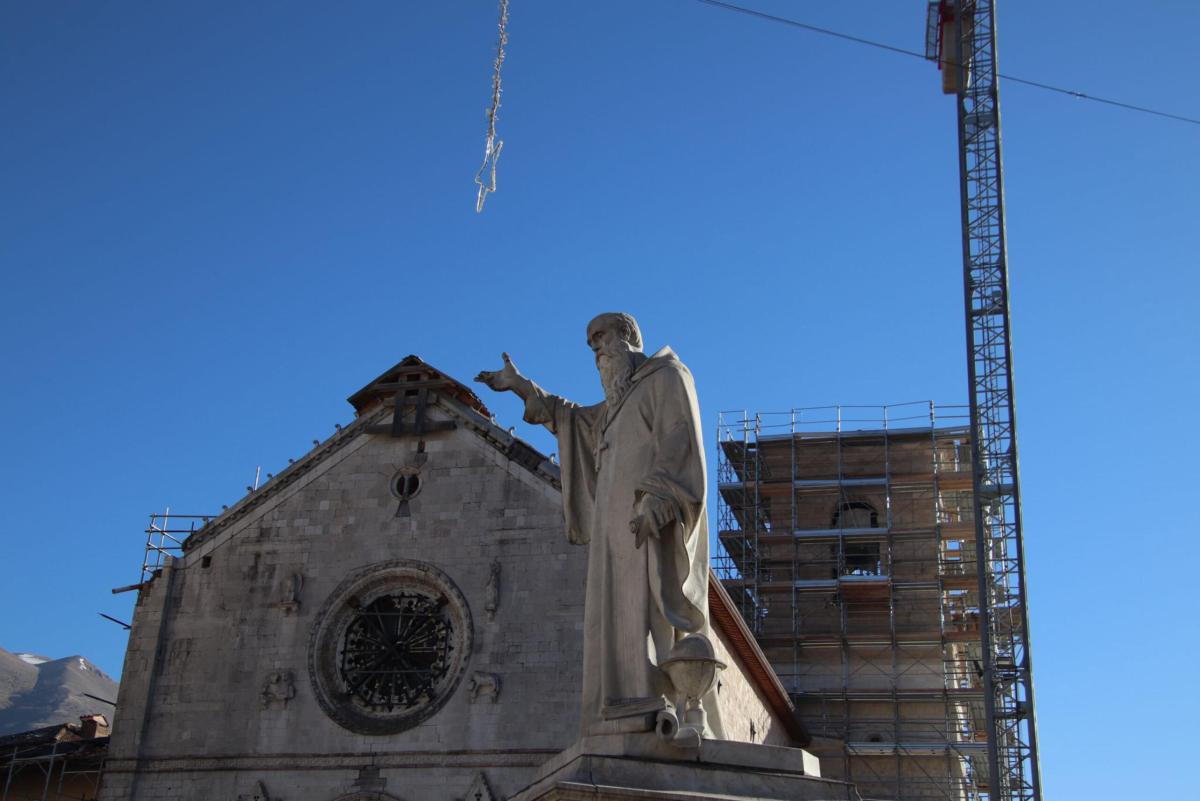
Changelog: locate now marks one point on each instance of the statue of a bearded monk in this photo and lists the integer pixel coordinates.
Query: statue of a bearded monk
(633, 479)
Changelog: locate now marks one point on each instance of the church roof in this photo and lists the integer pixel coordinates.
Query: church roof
(92, 730)
(411, 373)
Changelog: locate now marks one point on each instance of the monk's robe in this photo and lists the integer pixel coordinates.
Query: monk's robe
(639, 601)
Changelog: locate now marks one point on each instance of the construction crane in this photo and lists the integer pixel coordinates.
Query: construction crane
(961, 37)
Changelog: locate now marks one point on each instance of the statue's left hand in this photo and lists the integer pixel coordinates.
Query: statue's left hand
(651, 515)
(506, 378)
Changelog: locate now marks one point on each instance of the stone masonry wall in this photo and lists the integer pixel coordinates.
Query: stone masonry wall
(744, 712)
(227, 631)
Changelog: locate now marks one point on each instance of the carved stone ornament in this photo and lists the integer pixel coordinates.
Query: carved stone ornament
(289, 599)
(279, 688)
(491, 600)
(389, 647)
(479, 790)
(485, 685)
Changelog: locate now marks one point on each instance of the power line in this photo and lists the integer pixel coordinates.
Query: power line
(913, 53)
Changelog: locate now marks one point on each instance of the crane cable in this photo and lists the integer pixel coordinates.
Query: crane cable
(491, 152)
(902, 51)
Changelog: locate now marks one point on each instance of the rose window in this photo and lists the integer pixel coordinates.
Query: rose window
(396, 651)
(389, 646)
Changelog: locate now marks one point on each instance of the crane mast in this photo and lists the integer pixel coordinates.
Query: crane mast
(963, 34)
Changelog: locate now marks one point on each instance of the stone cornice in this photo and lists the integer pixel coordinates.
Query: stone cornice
(508, 758)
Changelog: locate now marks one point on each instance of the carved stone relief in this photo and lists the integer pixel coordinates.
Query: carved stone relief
(492, 591)
(484, 685)
(289, 599)
(279, 688)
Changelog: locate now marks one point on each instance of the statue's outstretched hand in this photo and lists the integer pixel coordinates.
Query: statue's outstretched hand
(506, 378)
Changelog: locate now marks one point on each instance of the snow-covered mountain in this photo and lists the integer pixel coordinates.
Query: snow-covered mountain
(36, 691)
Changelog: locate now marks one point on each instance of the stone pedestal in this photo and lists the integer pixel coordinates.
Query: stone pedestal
(643, 766)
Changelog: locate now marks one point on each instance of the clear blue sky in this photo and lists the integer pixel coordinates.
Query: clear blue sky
(219, 219)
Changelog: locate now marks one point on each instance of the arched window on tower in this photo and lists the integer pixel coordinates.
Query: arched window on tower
(858, 558)
(855, 514)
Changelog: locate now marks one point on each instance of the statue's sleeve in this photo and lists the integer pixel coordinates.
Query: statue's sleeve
(542, 408)
(676, 476)
(574, 427)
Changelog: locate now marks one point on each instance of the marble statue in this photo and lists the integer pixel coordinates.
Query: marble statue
(634, 490)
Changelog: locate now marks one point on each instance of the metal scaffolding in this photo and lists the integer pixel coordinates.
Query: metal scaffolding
(846, 535)
(164, 539)
(48, 769)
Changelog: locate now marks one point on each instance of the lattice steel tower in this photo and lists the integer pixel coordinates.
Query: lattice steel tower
(962, 37)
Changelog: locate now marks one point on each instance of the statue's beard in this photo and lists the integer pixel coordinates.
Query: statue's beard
(615, 363)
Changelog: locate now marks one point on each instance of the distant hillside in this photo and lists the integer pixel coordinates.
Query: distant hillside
(36, 691)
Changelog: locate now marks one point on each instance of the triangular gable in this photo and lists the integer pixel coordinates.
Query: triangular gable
(411, 374)
(374, 405)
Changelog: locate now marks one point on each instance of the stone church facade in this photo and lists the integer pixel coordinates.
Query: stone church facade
(398, 615)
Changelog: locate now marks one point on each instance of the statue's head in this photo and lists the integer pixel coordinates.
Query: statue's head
(620, 324)
(617, 342)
